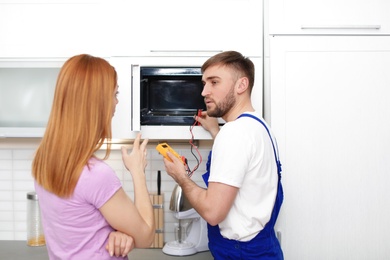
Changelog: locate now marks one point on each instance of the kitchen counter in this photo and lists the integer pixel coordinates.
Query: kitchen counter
(18, 250)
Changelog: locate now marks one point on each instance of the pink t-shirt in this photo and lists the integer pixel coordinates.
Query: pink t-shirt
(74, 228)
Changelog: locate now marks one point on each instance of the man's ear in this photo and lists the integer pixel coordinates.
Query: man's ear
(242, 85)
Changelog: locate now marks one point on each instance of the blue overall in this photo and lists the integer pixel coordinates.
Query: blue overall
(265, 245)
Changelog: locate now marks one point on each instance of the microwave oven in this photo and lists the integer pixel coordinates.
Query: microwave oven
(170, 95)
(142, 108)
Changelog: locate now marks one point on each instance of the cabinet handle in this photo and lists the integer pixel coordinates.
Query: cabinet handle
(340, 27)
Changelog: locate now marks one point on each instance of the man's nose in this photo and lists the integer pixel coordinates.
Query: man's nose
(205, 91)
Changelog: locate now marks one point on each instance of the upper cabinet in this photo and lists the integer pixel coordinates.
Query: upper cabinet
(26, 94)
(329, 17)
(58, 28)
(176, 27)
(63, 28)
(35, 33)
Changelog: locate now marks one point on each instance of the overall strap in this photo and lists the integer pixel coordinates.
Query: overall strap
(276, 151)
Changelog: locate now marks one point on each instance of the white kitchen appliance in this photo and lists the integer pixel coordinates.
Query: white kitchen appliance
(141, 99)
(191, 229)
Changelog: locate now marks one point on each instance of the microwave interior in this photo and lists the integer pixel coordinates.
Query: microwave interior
(170, 95)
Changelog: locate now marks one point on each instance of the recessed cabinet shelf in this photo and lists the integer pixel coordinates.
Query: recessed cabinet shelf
(26, 94)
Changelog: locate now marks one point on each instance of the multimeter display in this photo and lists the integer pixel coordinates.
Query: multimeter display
(163, 148)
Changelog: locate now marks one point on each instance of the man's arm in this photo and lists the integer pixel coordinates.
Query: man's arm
(213, 203)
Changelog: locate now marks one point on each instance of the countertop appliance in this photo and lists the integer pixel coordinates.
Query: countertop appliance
(191, 230)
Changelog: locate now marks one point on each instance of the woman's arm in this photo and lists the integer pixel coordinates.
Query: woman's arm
(136, 218)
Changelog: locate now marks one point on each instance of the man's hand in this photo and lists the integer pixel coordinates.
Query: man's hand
(175, 168)
(208, 123)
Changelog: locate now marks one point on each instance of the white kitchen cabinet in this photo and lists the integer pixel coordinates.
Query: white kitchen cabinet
(329, 17)
(176, 27)
(63, 28)
(330, 111)
(26, 93)
(57, 28)
(171, 32)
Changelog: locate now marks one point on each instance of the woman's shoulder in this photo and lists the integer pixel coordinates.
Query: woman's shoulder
(96, 163)
(97, 167)
(98, 175)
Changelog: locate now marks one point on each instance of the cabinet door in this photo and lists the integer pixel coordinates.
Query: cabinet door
(26, 96)
(55, 29)
(176, 27)
(330, 111)
(329, 17)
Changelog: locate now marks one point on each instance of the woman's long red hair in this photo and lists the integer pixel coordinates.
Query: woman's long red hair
(79, 123)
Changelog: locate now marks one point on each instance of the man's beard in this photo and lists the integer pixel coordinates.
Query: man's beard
(224, 106)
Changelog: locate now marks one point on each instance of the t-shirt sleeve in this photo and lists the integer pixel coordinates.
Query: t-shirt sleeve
(231, 155)
(101, 184)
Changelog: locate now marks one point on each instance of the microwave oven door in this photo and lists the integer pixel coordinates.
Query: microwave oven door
(136, 98)
(125, 122)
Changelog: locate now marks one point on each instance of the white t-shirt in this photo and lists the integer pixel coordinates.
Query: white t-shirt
(243, 157)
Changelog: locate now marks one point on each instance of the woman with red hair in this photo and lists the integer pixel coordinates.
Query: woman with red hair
(86, 214)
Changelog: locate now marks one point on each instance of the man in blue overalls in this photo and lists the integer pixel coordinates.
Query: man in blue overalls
(244, 193)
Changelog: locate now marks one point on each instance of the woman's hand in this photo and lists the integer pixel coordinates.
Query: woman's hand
(136, 161)
(119, 244)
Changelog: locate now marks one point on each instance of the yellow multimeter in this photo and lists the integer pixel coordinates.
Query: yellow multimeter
(163, 148)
